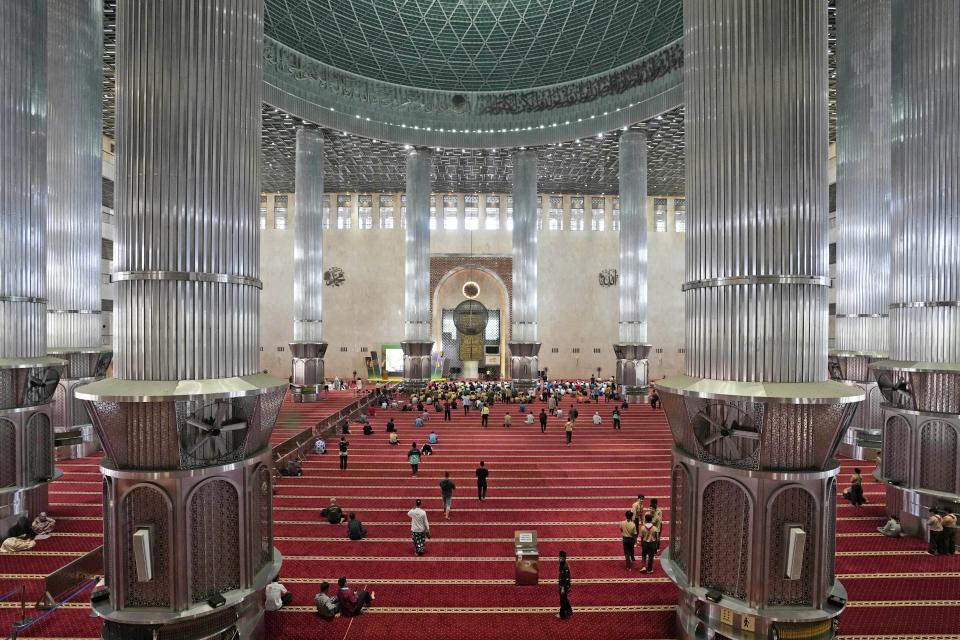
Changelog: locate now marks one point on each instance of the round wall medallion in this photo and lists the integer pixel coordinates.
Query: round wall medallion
(471, 290)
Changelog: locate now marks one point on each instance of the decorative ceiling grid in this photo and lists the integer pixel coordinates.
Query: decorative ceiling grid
(354, 163)
(475, 45)
(359, 164)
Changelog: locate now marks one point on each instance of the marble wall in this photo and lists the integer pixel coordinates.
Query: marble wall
(578, 316)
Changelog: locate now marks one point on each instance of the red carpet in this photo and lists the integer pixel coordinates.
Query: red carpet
(463, 588)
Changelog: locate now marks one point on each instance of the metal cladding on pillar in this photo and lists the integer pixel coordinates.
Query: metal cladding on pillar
(863, 209)
(921, 381)
(632, 350)
(23, 179)
(754, 422)
(186, 423)
(28, 378)
(308, 239)
(633, 237)
(417, 262)
(524, 348)
(417, 344)
(306, 365)
(74, 150)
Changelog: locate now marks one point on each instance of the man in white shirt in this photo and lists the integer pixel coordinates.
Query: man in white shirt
(277, 595)
(419, 528)
(596, 417)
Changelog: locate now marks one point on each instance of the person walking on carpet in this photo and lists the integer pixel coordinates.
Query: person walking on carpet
(343, 453)
(568, 429)
(419, 528)
(484, 416)
(564, 583)
(447, 487)
(413, 457)
(628, 529)
(482, 473)
(543, 421)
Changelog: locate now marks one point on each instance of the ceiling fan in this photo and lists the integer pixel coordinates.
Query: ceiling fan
(726, 432)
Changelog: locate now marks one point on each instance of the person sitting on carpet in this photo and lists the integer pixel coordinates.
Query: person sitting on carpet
(391, 427)
(43, 526)
(394, 438)
(277, 596)
(352, 602)
(432, 438)
(368, 429)
(292, 468)
(327, 607)
(333, 513)
(15, 544)
(355, 530)
(596, 418)
(892, 529)
(426, 449)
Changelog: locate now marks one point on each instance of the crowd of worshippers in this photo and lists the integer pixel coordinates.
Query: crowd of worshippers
(330, 603)
(25, 534)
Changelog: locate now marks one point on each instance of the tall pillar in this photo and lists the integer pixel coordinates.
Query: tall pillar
(632, 348)
(186, 421)
(417, 344)
(755, 423)
(921, 380)
(28, 377)
(863, 211)
(308, 348)
(523, 344)
(74, 144)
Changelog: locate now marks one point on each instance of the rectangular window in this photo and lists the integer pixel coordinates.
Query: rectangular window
(576, 213)
(365, 211)
(433, 213)
(471, 212)
(403, 211)
(279, 212)
(386, 212)
(450, 221)
(556, 213)
(660, 215)
(615, 216)
(263, 212)
(680, 215)
(343, 211)
(326, 212)
(598, 210)
(492, 220)
(509, 213)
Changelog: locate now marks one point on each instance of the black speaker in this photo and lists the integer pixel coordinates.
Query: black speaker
(216, 601)
(713, 595)
(100, 595)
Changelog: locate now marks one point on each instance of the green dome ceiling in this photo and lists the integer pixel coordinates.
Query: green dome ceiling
(475, 45)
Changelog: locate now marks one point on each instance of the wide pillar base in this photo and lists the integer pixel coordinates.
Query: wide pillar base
(701, 619)
(416, 363)
(632, 373)
(524, 364)
(306, 366)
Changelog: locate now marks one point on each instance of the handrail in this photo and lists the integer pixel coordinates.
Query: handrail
(299, 444)
(65, 579)
(25, 623)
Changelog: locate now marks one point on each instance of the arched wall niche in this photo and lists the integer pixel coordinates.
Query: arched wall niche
(494, 294)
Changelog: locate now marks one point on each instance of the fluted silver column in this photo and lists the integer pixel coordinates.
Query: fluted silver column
(186, 422)
(863, 210)
(417, 344)
(632, 348)
(74, 144)
(28, 378)
(308, 348)
(921, 381)
(524, 346)
(755, 423)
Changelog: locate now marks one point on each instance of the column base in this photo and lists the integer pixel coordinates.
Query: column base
(307, 370)
(416, 363)
(701, 619)
(524, 364)
(632, 372)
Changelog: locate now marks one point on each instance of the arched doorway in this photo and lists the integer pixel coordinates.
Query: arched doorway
(481, 284)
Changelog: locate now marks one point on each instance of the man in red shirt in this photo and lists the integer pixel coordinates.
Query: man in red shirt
(352, 602)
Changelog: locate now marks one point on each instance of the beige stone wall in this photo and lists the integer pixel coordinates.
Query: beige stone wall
(577, 316)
